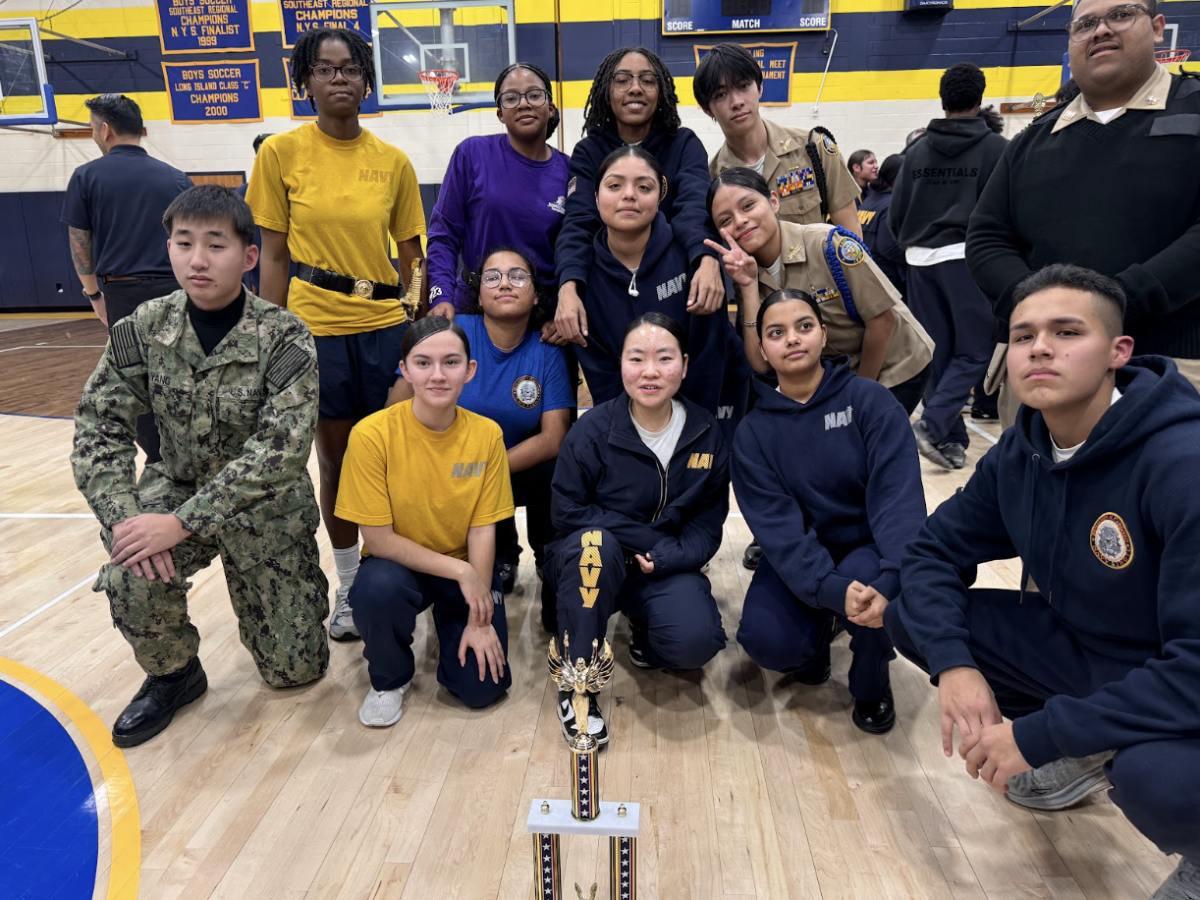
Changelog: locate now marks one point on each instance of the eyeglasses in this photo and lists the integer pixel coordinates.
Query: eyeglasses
(325, 72)
(518, 278)
(1119, 18)
(534, 97)
(623, 81)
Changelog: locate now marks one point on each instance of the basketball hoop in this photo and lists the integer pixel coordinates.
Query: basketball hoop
(1171, 57)
(439, 85)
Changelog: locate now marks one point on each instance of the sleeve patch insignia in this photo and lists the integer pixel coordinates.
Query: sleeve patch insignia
(290, 363)
(127, 350)
(830, 145)
(850, 252)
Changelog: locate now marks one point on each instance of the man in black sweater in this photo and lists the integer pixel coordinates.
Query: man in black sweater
(1108, 181)
(941, 179)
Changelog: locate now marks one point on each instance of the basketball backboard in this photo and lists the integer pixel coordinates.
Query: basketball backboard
(26, 97)
(475, 38)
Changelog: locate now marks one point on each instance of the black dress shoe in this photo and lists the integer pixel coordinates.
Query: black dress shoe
(752, 556)
(986, 415)
(875, 716)
(508, 577)
(154, 705)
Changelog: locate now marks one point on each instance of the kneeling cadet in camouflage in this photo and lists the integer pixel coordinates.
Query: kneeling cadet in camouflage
(232, 381)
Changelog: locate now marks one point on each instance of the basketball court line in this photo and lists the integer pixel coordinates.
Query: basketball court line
(56, 347)
(46, 516)
(975, 428)
(45, 606)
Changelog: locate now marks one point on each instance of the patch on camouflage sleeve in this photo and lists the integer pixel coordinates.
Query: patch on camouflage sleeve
(292, 362)
(127, 350)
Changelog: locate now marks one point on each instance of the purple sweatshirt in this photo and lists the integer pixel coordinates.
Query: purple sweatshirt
(493, 196)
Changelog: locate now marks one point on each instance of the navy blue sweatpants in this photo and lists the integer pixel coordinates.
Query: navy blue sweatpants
(675, 616)
(781, 632)
(956, 314)
(387, 598)
(1028, 655)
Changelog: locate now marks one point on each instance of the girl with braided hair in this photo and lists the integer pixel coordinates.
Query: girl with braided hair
(329, 195)
(862, 312)
(633, 101)
(500, 190)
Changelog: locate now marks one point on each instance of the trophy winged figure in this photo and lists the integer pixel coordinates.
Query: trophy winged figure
(581, 678)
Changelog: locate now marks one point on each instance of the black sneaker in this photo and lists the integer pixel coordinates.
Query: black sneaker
(154, 705)
(955, 452)
(637, 655)
(508, 577)
(752, 556)
(875, 716)
(549, 609)
(595, 724)
(985, 415)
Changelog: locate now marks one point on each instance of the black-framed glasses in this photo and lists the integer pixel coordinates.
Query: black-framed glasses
(1118, 18)
(534, 97)
(623, 81)
(325, 72)
(518, 278)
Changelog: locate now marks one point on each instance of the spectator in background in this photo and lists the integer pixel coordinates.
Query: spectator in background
(1131, 211)
(113, 212)
(865, 169)
(912, 136)
(939, 184)
(888, 254)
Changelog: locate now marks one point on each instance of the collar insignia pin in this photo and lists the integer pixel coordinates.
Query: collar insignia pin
(792, 251)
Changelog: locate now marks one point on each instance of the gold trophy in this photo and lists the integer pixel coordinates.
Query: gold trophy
(414, 297)
(549, 819)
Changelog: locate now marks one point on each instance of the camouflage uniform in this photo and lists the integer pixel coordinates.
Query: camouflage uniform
(237, 428)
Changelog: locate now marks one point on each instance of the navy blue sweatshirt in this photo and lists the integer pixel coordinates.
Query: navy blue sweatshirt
(817, 480)
(662, 281)
(877, 235)
(685, 166)
(606, 477)
(1129, 597)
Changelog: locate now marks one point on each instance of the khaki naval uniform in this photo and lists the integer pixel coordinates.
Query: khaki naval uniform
(236, 431)
(805, 268)
(788, 171)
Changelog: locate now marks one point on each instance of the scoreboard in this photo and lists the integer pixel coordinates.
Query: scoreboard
(740, 16)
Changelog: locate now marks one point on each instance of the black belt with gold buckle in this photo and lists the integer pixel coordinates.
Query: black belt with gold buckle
(344, 284)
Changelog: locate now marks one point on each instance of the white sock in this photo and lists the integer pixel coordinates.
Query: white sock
(346, 561)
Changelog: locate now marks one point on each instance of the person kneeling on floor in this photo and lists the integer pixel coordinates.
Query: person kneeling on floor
(232, 382)
(640, 496)
(1097, 490)
(427, 481)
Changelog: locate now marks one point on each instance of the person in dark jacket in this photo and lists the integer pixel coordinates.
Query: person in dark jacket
(640, 264)
(939, 184)
(633, 102)
(1097, 489)
(888, 255)
(831, 542)
(640, 497)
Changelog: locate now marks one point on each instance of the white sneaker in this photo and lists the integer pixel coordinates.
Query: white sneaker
(341, 623)
(595, 724)
(381, 709)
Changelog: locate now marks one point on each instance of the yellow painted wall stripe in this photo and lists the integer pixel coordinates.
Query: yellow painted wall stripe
(126, 865)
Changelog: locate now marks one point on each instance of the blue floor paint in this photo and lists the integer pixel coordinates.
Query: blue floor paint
(48, 824)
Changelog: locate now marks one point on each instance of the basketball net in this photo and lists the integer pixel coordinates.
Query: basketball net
(439, 85)
(1171, 57)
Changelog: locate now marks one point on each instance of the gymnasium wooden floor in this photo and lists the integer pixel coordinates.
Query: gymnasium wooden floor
(751, 786)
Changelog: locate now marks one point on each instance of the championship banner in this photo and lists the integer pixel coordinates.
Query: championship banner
(225, 91)
(776, 62)
(204, 26)
(300, 16)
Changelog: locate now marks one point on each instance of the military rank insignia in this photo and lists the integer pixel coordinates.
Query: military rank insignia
(850, 252)
(795, 181)
(830, 145)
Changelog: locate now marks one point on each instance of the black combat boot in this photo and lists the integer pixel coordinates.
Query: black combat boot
(154, 705)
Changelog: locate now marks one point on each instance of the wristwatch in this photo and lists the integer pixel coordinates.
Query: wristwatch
(93, 297)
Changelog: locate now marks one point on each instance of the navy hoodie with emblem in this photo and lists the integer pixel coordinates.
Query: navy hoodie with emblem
(661, 281)
(606, 477)
(1128, 597)
(817, 480)
(685, 166)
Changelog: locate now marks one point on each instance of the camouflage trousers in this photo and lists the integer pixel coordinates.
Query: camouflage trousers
(281, 605)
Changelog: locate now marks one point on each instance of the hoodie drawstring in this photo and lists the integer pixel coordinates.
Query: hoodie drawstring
(1032, 493)
(633, 291)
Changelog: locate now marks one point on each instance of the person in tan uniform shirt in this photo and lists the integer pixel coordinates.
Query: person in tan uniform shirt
(863, 312)
(813, 187)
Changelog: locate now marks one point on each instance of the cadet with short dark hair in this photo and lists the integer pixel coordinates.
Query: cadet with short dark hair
(233, 382)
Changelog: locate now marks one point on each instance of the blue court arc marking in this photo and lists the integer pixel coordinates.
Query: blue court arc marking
(49, 832)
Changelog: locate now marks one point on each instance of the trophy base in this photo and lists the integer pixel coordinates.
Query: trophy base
(560, 821)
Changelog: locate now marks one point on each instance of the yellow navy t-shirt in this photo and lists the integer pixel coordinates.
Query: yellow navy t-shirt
(338, 202)
(431, 487)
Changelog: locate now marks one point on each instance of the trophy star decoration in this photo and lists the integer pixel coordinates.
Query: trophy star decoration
(581, 679)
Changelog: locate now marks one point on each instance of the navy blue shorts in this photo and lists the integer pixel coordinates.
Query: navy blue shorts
(357, 371)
